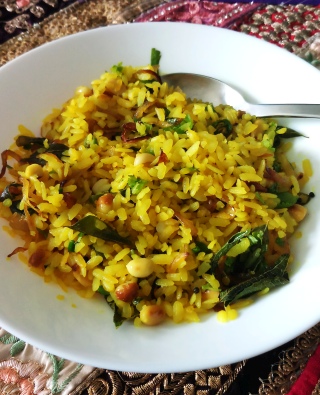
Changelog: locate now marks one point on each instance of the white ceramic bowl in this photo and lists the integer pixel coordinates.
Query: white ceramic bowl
(34, 83)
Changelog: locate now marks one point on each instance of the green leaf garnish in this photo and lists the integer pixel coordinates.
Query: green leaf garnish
(180, 126)
(223, 126)
(117, 317)
(289, 134)
(136, 184)
(44, 146)
(11, 191)
(286, 199)
(227, 247)
(273, 277)
(200, 247)
(102, 291)
(117, 68)
(71, 246)
(155, 57)
(93, 226)
(251, 261)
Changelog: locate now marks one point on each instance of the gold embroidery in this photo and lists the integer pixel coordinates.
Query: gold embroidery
(291, 363)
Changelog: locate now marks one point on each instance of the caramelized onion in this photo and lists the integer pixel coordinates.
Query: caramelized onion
(4, 156)
(16, 251)
(127, 130)
(187, 223)
(149, 73)
(163, 158)
(145, 106)
(281, 180)
(258, 187)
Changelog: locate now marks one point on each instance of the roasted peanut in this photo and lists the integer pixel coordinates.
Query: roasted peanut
(143, 158)
(140, 267)
(84, 90)
(298, 212)
(152, 315)
(104, 203)
(127, 292)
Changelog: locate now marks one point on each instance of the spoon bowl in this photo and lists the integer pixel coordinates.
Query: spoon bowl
(214, 91)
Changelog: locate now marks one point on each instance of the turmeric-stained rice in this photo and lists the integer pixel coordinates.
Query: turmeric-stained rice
(161, 204)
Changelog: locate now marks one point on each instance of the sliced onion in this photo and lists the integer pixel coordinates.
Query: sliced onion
(187, 223)
(16, 251)
(129, 128)
(148, 73)
(4, 156)
(163, 157)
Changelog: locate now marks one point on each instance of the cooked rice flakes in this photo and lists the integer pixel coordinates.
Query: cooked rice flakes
(161, 173)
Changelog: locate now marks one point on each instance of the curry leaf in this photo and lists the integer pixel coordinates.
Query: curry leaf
(117, 317)
(11, 191)
(56, 149)
(27, 142)
(273, 277)
(253, 259)
(290, 133)
(223, 251)
(200, 247)
(223, 126)
(93, 226)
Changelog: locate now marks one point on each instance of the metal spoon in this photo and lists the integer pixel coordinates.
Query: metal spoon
(217, 92)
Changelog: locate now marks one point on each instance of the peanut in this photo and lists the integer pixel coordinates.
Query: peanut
(152, 315)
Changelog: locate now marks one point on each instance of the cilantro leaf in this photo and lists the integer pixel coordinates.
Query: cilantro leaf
(136, 184)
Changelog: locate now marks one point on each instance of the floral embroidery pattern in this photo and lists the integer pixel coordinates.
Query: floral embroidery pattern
(27, 376)
(57, 367)
(17, 344)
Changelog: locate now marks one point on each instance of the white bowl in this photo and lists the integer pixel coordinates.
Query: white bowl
(34, 83)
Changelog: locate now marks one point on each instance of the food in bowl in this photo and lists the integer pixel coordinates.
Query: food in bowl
(169, 208)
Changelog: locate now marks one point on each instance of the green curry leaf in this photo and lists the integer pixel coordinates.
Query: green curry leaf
(93, 226)
(272, 277)
(43, 145)
(118, 320)
(223, 126)
(223, 251)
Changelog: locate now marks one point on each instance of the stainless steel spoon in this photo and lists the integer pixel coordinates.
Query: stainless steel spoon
(214, 91)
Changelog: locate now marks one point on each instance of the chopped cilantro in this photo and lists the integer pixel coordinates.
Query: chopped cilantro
(136, 184)
(286, 199)
(118, 68)
(102, 291)
(185, 124)
(155, 57)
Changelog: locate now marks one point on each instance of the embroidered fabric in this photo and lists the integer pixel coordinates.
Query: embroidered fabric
(26, 370)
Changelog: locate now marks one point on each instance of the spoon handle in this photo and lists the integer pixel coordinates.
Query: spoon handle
(285, 110)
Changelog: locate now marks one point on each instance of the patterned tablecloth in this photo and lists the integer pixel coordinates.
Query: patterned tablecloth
(292, 369)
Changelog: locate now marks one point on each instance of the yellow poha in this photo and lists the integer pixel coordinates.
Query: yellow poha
(164, 205)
